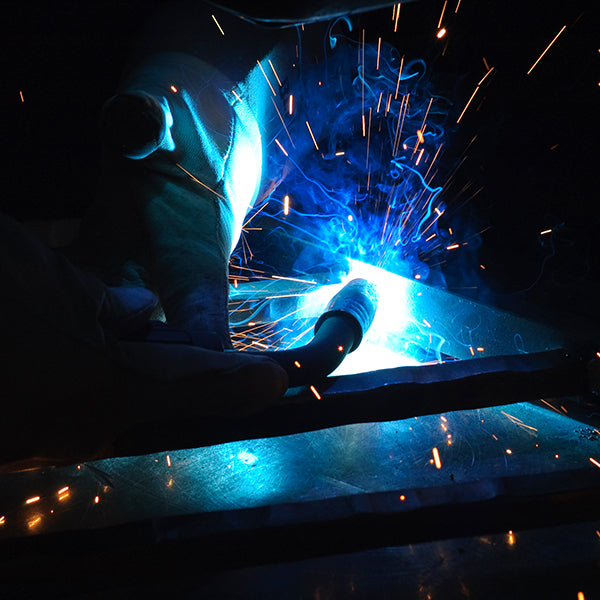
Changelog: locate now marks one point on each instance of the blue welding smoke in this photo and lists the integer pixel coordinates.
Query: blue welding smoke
(354, 171)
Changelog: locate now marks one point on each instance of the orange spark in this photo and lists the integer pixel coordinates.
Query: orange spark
(173, 89)
(314, 391)
(199, 183)
(275, 72)
(34, 522)
(399, 76)
(595, 462)
(217, 24)
(63, 490)
(312, 135)
(281, 147)
(441, 33)
(436, 458)
(168, 461)
(473, 95)
(508, 451)
(21, 94)
(297, 364)
(96, 499)
(291, 104)
(32, 500)
(265, 76)
(286, 205)
(442, 15)
(546, 50)
(452, 247)
(420, 136)
(378, 53)
(379, 101)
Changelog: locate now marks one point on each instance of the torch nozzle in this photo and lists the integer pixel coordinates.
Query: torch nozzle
(357, 300)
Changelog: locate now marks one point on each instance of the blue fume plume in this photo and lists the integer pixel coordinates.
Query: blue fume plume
(367, 193)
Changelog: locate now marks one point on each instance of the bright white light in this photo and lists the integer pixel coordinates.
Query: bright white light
(370, 357)
(247, 457)
(385, 344)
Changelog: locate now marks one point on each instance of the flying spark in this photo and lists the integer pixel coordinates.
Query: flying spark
(442, 15)
(199, 182)
(473, 95)
(281, 147)
(396, 17)
(275, 73)
(312, 135)
(217, 24)
(546, 50)
(265, 76)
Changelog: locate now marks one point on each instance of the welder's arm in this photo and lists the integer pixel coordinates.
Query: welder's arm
(285, 14)
(61, 338)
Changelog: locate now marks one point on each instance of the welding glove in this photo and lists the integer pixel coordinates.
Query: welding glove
(62, 340)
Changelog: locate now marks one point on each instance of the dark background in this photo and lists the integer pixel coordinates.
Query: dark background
(535, 155)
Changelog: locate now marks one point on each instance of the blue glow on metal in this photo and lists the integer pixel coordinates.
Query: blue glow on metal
(247, 457)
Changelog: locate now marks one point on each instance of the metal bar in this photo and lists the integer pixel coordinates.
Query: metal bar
(226, 540)
(458, 326)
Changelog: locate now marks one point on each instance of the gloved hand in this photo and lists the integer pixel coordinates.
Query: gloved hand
(62, 340)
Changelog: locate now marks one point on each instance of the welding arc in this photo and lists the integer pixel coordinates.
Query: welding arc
(338, 331)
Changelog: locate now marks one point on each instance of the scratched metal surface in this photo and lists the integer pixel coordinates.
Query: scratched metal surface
(494, 442)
